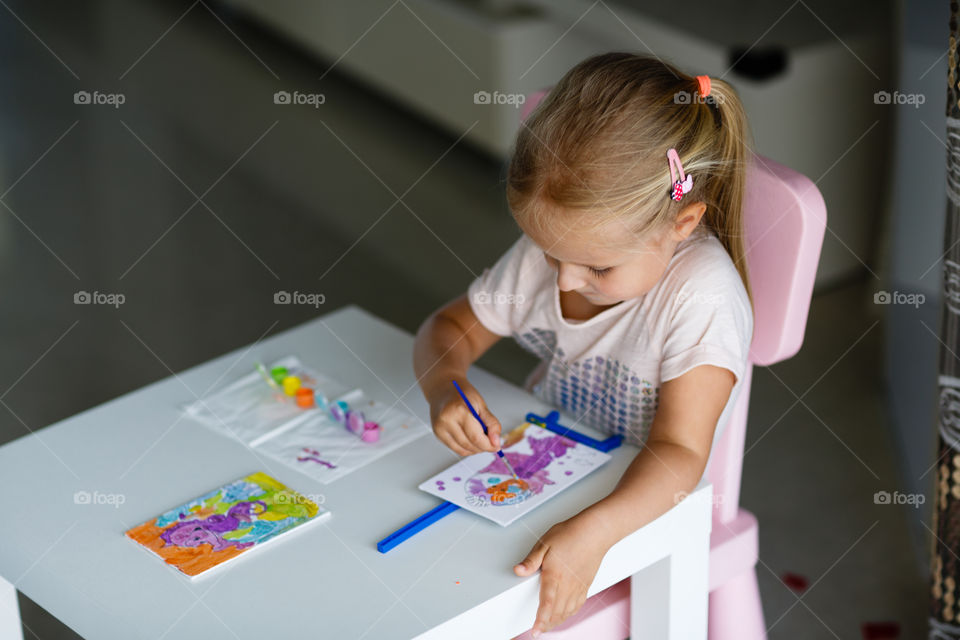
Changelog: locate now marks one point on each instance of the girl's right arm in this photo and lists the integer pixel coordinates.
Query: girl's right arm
(447, 343)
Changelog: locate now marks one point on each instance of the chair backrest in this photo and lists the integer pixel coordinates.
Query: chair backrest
(785, 219)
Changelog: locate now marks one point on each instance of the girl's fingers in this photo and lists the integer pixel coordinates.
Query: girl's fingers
(578, 602)
(451, 421)
(464, 446)
(532, 562)
(464, 436)
(470, 432)
(447, 436)
(569, 608)
(560, 604)
(548, 604)
(493, 429)
(453, 446)
(565, 605)
(475, 435)
(479, 439)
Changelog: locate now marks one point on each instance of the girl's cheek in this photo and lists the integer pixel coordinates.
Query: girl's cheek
(609, 290)
(622, 290)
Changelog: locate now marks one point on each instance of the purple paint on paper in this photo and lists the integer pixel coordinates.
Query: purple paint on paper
(529, 467)
(314, 458)
(545, 451)
(209, 530)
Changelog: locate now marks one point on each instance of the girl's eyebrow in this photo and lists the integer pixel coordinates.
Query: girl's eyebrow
(582, 265)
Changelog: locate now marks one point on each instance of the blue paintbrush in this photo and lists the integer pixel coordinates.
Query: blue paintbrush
(477, 416)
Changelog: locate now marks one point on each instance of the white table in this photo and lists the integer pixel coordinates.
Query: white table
(328, 581)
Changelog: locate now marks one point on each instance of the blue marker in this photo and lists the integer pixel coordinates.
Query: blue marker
(417, 525)
(477, 416)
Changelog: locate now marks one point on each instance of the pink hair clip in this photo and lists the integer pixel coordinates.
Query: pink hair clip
(680, 185)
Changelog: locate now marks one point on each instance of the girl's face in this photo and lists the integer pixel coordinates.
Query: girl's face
(604, 276)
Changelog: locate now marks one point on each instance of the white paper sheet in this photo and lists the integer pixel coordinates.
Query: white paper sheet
(546, 463)
(323, 448)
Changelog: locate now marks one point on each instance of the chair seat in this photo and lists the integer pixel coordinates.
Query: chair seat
(734, 548)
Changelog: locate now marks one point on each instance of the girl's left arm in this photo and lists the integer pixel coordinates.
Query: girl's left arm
(669, 466)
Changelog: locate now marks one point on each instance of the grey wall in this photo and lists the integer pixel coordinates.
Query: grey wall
(915, 242)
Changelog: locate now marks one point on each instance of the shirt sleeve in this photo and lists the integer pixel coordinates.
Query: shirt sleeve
(495, 296)
(713, 328)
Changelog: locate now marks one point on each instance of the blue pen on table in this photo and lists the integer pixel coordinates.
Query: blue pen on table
(477, 416)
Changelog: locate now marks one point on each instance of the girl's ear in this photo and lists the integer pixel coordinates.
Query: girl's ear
(688, 219)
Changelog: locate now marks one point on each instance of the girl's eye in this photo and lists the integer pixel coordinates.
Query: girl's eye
(600, 272)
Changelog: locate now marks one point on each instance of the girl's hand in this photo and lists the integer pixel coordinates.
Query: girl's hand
(456, 427)
(568, 556)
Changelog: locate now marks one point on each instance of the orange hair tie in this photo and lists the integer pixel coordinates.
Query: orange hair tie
(704, 82)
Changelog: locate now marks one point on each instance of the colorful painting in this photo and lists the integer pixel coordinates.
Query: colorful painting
(226, 522)
(546, 463)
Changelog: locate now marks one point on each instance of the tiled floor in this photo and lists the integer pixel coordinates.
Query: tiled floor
(296, 199)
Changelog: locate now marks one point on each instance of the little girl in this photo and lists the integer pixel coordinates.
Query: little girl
(629, 283)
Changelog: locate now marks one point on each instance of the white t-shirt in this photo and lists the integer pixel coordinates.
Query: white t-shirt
(606, 371)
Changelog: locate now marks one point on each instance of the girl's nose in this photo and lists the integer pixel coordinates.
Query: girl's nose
(567, 279)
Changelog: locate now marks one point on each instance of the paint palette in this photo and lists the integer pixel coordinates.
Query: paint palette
(253, 412)
(327, 440)
(546, 463)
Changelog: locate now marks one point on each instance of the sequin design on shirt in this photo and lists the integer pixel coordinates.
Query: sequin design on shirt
(540, 342)
(603, 393)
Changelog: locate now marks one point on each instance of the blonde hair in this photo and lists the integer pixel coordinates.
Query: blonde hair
(597, 145)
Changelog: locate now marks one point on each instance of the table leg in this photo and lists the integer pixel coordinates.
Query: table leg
(650, 601)
(10, 626)
(678, 611)
(689, 595)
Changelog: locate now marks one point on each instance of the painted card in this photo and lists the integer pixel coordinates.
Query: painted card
(229, 521)
(546, 463)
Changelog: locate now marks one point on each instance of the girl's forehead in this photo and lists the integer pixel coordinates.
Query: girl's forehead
(595, 248)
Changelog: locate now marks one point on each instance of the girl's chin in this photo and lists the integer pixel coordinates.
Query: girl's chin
(598, 299)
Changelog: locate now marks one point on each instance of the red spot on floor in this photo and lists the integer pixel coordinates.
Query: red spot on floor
(880, 630)
(795, 581)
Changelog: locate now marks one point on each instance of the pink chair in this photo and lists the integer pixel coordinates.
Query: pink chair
(785, 218)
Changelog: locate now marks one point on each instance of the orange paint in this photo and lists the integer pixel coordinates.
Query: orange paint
(500, 491)
(514, 436)
(190, 560)
(304, 397)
